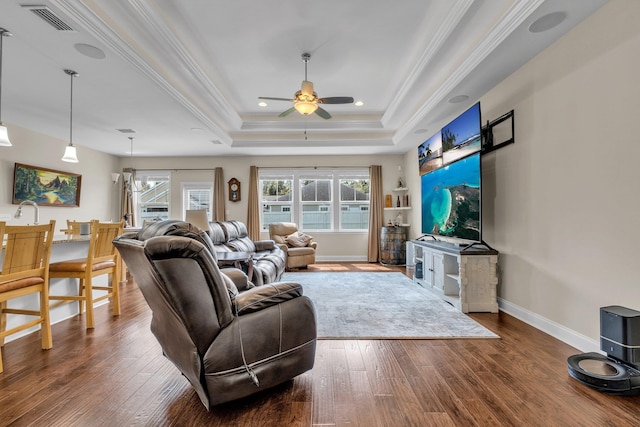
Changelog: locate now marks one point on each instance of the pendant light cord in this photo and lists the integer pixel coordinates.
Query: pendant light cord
(3, 33)
(71, 74)
(131, 153)
(71, 113)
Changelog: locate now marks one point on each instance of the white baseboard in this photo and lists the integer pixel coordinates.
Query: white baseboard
(556, 330)
(330, 258)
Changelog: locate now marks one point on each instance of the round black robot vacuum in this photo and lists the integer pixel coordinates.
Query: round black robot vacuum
(604, 374)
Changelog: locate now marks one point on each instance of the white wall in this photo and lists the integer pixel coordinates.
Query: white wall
(561, 204)
(99, 197)
(331, 246)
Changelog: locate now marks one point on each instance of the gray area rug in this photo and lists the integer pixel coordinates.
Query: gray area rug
(354, 305)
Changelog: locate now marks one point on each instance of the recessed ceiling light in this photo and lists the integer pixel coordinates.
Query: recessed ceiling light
(419, 131)
(196, 130)
(90, 51)
(547, 22)
(358, 103)
(216, 142)
(262, 104)
(458, 98)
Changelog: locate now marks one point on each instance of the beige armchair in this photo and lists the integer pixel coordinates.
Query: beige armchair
(299, 247)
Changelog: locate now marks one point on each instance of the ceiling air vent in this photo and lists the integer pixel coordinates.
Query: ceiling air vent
(48, 16)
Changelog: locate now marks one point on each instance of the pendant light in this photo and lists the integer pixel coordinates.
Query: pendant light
(4, 135)
(129, 175)
(70, 152)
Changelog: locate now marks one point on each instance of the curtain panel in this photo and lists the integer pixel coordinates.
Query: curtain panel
(376, 213)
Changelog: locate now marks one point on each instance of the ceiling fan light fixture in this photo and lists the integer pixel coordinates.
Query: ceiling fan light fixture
(305, 108)
(307, 88)
(305, 101)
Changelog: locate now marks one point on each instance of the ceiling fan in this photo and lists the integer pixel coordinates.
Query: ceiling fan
(306, 100)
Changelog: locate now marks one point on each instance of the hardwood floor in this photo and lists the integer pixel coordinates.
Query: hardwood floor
(116, 375)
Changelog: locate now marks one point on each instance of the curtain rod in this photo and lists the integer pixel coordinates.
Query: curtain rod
(164, 169)
(314, 167)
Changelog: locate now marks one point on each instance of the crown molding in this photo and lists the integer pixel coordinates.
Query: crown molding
(86, 17)
(511, 20)
(443, 33)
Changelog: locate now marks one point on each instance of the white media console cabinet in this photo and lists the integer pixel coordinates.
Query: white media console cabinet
(466, 278)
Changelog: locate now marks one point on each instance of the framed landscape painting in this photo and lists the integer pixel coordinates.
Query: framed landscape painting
(46, 187)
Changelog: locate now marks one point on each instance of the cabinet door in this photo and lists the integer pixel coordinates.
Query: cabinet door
(438, 271)
(427, 268)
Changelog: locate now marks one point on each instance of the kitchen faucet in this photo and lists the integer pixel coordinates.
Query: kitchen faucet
(18, 213)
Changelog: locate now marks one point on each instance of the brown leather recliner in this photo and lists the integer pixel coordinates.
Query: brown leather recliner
(300, 248)
(225, 339)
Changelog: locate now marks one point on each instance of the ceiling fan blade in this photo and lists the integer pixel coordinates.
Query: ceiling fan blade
(276, 99)
(336, 100)
(323, 113)
(286, 113)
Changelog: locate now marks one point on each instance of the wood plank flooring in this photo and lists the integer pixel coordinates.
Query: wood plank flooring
(115, 375)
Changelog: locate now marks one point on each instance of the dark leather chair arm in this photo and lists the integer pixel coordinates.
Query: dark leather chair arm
(261, 297)
(129, 235)
(238, 278)
(265, 245)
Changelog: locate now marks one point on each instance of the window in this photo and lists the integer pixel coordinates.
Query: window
(315, 203)
(276, 198)
(354, 203)
(151, 195)
(197, 196)
(316, 199)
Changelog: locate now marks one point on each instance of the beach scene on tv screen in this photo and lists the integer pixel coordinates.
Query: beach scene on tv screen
(451, 200)
(461, 137)
(430, 154)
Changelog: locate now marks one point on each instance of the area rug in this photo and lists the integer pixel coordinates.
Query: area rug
(354, 305)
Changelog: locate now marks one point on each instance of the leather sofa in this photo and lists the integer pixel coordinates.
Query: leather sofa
(299, 247)
(228, 339)
(269, 260)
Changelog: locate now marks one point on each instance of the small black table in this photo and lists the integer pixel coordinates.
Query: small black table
(236, 259)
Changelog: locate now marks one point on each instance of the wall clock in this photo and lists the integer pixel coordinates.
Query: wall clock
(234, 190)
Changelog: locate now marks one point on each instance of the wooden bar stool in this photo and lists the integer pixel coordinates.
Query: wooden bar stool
(102, 258)
(25, 270)
(75, 227)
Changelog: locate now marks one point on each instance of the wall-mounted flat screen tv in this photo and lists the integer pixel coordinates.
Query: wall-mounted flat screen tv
(451, 200)
(462, 136)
